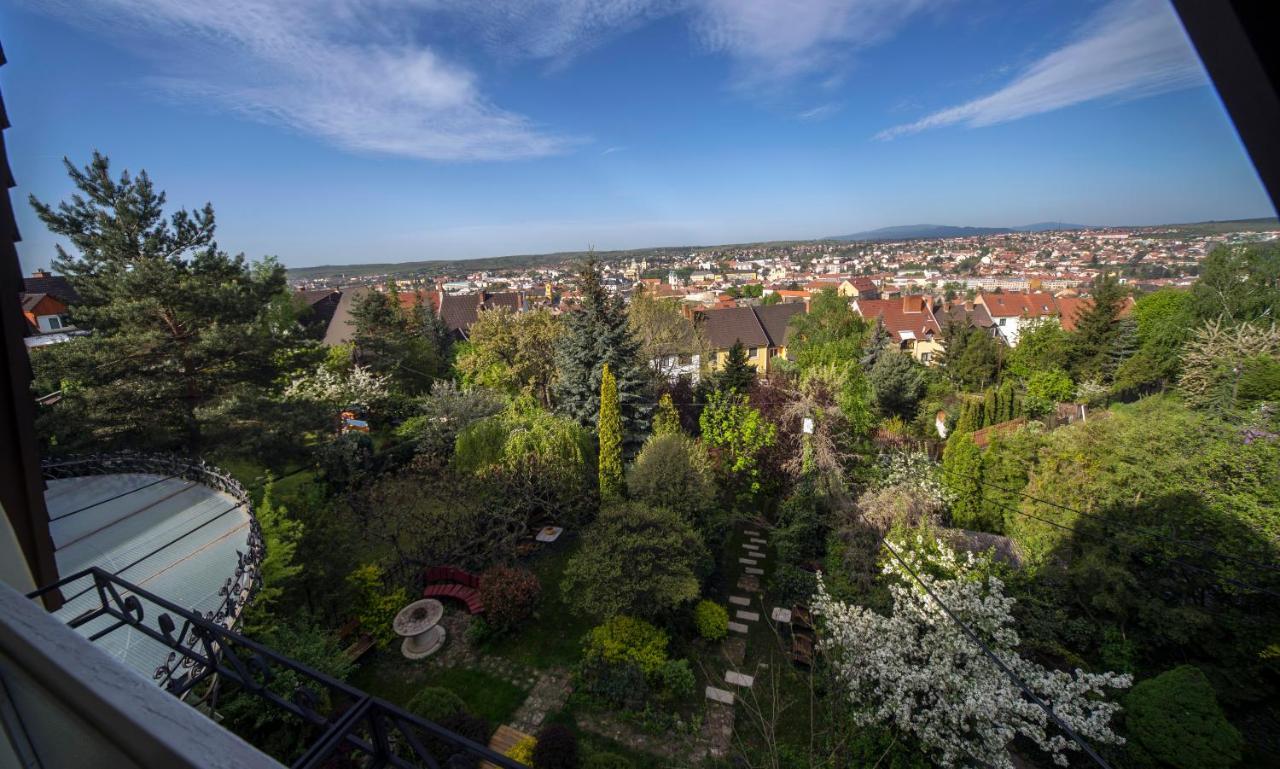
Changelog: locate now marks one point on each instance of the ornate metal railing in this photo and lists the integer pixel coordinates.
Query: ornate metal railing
(346, 726)
(239, 588)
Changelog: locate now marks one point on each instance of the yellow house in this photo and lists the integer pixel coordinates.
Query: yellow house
(761, 330)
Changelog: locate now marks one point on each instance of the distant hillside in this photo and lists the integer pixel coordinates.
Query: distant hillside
(1216, 227)
(933, 231)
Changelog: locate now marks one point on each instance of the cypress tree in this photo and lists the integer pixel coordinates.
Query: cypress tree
(610, 435)
(962, 466)
(666, 421)
(595, 334)
(970, 418)
(990, 407)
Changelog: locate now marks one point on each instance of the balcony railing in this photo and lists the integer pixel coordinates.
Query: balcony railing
(346, 727)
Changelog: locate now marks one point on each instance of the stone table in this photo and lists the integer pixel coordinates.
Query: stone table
(419, 623)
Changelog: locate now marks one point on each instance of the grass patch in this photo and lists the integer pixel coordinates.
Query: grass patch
(388, 675)
(553, 638)
(589, 743)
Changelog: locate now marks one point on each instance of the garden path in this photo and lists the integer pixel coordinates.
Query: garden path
(546, 698)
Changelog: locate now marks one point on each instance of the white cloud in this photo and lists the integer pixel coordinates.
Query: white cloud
(1130, 49)
(770, 41)
(773, 41)
(301, 63)
(819, 112)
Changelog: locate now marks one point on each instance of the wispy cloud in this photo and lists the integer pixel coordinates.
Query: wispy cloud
(611, 150)
(771, 42)
(819, 112)
(1129, 49)
(775, 41)
(295, 62)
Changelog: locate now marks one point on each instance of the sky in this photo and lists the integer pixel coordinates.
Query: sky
(349, 131)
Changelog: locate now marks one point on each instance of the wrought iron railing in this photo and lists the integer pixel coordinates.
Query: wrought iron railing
(347, 726)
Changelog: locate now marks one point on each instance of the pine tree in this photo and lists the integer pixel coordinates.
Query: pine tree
(736, 375)
(610, 436)
(181, 330)
(666, 420)
(394, 342)
(597, 334)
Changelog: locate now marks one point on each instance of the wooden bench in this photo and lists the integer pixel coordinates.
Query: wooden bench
(451, 582)
(363, 641)
(503, 740)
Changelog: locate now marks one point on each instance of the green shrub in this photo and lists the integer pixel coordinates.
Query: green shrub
(435, 703)
(479, 632)
(1174, 720)
(466, 725)
(557, 748)
(625, 640)
(606, 761)
(790, 584)
(676, 679)
(376, 607)
(712, 620)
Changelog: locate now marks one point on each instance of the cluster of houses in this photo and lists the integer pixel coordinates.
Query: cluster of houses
(913, 323)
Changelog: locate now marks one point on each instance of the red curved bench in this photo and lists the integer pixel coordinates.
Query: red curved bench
(451, 582)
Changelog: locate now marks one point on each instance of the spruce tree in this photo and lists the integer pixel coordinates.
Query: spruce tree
(736, 375)
(182, 331)
(990, 407)
(1097, 331)
(962, 469)
(595, 334)
(394, 342)
(610, 436)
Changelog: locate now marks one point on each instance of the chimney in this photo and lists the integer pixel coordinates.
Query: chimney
(913, 303)
(40, 274)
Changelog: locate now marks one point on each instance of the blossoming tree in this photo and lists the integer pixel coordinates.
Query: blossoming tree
(917, 671)
(338, 389)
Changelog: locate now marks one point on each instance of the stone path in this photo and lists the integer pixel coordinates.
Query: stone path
(548, 696)
(717, 729)
(677, 748)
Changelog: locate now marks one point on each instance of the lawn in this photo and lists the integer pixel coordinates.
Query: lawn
(553, 638)
(388, 675)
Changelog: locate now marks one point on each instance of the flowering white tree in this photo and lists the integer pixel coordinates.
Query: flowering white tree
(338, 389)
(917, 671)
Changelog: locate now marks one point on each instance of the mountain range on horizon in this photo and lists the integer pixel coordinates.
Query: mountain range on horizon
(917, 231)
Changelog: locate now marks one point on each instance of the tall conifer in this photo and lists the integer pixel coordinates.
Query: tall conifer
(610, 435)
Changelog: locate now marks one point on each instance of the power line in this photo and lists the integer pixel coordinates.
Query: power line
(999, 663)
(1146, 531)
(1184, 564)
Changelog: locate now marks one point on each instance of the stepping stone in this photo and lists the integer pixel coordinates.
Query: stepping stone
(738, 600)
(749, 583)
(749, 546)
(719, 695)
(748, 561)
(759, 541)
(749, 616)
(739, 679)
(781, 615)
(753, 570)
(752, 533)
(738, 627)
(735, 649)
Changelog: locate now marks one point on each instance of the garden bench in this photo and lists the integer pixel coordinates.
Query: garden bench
(452, 582)
(363, 641)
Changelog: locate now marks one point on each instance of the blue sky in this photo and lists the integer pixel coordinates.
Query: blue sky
(341, 131)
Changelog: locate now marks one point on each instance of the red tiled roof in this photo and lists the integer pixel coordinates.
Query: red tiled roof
(1020, 304)
(920, 322)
